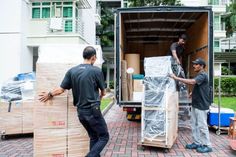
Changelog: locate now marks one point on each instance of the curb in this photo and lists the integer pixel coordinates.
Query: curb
(108, 107)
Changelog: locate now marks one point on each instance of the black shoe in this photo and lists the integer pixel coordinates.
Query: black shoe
(192, 146)
(204, 149)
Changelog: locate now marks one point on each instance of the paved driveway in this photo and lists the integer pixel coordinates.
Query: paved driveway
(124, 137)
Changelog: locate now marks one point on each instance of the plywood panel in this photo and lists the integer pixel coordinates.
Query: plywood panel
(52, 114)
(50, 142)
(198, 37)
(28, 110)
(11, 122)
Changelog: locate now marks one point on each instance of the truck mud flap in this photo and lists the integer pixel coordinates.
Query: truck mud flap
(131, 116)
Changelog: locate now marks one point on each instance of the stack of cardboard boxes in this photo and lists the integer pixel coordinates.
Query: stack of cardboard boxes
(16, 118)
(57, 130)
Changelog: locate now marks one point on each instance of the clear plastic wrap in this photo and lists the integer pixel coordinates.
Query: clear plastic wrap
(11, 90)
(155, 90)
(19, 87)
(154, 124)
(184, 116)
(157, 66)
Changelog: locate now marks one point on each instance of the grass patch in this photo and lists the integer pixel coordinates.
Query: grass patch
(105, 102)
(227, 102)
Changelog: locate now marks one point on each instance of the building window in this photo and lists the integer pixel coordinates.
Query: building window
(216, 22)
(52, 9)
(46, 13)
(42, 10)
(35, 13)
(216, 46)
(68, 26)
(67, 11)
(213, 2)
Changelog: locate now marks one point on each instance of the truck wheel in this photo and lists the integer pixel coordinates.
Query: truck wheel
(218, 132)
(3, 137)
(166, 150)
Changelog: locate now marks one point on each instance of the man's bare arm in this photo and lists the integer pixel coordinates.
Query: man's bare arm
(187, 81)
(45, 96)
(175, 56)
(103, 93)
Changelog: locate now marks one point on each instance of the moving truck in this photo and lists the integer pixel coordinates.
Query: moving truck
(149, 32)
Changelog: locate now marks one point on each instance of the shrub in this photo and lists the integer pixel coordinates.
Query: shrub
(111, 84)
(228, 86)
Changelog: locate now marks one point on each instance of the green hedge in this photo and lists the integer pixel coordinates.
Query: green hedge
(111, 84)
(228, 86)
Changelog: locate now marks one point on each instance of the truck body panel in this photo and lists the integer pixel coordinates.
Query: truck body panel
(149, 32)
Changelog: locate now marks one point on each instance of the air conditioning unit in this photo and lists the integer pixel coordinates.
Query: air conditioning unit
(56, 23)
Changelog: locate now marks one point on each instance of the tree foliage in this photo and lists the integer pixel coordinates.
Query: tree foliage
(105, 31)
(230, 19)
(139, 3)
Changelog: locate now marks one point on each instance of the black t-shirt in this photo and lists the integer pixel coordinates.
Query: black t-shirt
(85, 80)
(178, 48)
(201, 92)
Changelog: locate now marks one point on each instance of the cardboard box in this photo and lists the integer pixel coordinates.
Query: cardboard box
(138, 85)
(78, 142)
(50, 143)
(52, 114)
(11, 122)
(28, 114)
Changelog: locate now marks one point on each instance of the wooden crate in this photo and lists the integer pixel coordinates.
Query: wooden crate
(58, 132)
(170, 111)
(50, 142)
(78, 142)
(52, 114)
(28, 114)
(11, 122)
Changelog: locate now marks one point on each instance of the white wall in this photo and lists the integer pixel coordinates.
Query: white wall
(10, 38)
(15, 57)
(10, 16)
(194, 2)
(26, 53)
(88, 17)
(10, 48)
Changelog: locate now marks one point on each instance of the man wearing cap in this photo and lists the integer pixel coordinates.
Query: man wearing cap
(200, 106)
(177, 48)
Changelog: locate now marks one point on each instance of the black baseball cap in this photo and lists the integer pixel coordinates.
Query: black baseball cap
(199, 61)
(183, 36)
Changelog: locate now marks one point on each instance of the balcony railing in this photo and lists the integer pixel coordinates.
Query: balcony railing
(65, 25)
(42, 27)
(218, 2)
(228, 44)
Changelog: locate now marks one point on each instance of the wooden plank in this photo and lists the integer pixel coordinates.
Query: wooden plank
(124, 83)
(198, 37)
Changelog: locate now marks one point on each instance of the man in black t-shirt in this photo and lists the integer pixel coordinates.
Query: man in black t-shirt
(86, 80)
(200, 106)
(177, 49)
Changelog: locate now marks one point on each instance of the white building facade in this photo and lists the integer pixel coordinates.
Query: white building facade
(31, 23)
(219, 9)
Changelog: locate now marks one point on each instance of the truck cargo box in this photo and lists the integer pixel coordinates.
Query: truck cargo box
(149, 32)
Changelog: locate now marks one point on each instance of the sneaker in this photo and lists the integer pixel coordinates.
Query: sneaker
(204, 149)
(192, 146)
